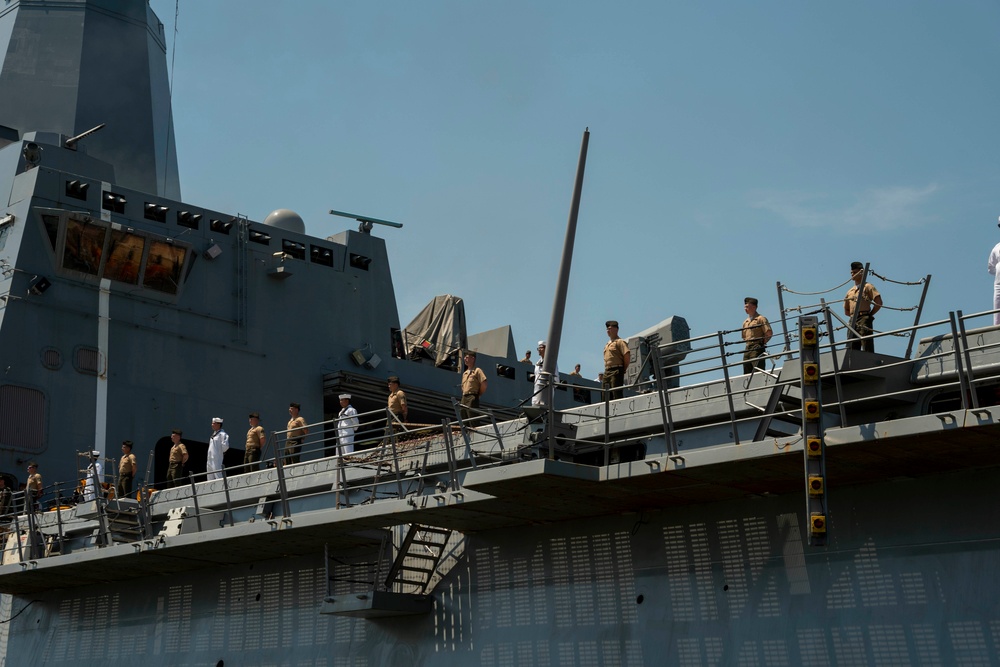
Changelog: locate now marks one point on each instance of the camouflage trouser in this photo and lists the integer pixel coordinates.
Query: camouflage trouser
(250, 458)
(292, 452)
(174, 472)
(614, 376)
(753, 357)
(124, 489)
(469, 401)
(864, 328)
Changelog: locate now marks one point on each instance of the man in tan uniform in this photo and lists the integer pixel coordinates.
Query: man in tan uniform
(756, 333)
(869, 303)
(254, 444)
(178, 458)
(396, 405)
(473, 385)
(296, 432)
(397, 399)
(616, 360)
(127, 470)
(34, 487)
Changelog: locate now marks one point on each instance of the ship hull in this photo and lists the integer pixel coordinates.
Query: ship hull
(908, 578)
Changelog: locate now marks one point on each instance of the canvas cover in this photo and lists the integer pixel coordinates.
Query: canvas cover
(438, 331)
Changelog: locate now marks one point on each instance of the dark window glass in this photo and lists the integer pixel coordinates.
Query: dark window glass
(84, 246)
(164, 267)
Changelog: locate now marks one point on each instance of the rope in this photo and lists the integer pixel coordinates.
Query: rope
(785, 288)
(897, 282)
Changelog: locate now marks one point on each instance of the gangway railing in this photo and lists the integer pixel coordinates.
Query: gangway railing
(393, 460)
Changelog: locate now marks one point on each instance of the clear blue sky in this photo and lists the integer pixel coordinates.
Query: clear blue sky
(733, 145)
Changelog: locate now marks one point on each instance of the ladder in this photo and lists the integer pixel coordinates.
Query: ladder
(418, 557)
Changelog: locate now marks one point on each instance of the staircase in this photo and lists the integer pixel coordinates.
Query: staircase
(417, 560)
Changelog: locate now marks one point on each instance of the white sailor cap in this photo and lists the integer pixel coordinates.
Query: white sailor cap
(96, 454)
(347, 396)
(216, 420)
(541, 343)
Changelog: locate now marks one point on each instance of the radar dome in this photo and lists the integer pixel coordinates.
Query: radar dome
(288, 220)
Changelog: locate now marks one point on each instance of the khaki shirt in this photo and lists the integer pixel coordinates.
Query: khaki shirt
(178, 453)
(296, 427)
(614, 353)
(255, 437)
(128, 465)
(397, 402)
(35, 482)
(472, 381)
(865, 305)
(756, 329)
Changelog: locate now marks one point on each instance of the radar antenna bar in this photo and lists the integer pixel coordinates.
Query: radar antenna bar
(364, 218)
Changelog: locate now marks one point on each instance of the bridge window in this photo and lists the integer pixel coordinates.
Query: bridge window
(164, 267)
(84, 247)
(124, 257)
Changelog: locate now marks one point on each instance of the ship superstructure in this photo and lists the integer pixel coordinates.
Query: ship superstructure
(128, 313)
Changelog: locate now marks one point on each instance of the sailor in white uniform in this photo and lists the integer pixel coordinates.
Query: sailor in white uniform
(991, 266)
(541, 380)
(94, 476)
(347, 424)
(218, 445)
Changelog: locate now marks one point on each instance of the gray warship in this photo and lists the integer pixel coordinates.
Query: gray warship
(834, 508)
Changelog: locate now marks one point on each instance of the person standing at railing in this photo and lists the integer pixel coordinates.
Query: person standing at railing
(33, 489)
(5, 501)
(991, 265)
(255, 443)
(347, 424)
(473, 385)
(397, 399)
(218, 445)
(616, 360)
(94, 474)
(127, 470)
(541, 381)
(296, 432)
(178, 458)
(756, 333)
(868, 302)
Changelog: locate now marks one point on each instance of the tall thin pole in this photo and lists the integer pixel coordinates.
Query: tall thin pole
(562, 286)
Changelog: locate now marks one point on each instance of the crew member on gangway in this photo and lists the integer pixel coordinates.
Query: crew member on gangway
(296, 432)
(869, 303)
(218, 445)
(347, 424)
(473, 385)
(178, 459)
(756, 333)
(616, 360)
(255, 443)
(127, 469)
